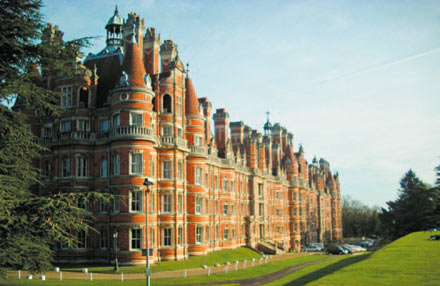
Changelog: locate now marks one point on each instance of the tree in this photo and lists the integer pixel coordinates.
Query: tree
(358, 219)
(415, 209)
(31, 223)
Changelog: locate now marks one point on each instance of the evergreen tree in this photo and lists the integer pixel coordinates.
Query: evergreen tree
(415, 209)
(30, 223)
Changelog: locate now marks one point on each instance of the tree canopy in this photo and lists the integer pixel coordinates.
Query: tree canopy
(31, 223)
(416, 208)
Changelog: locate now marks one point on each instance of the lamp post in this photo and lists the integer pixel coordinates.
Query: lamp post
(147, 184)
(115, 244)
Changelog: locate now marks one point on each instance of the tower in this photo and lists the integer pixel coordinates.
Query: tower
(114, 31)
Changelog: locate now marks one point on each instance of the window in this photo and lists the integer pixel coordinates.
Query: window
(179, 132)
(278, 212)
(180, 236)
(136, 160)
(83, 125)
(216, 207)
(46, 131)
(277, 195)
(136, 201)
(66, 100)
(180, 170)
(65, 167)
(103, 125)
(167, 236)
(225, 233)
(166, 203)
(103, 237)
(83, 97)
(199, 232)
(206, 179)
(260, 189)
(115, 163)
(104, 168)
(82, 239)
(207, 233)
(225, 209)
(198, 171)
(115, 204)
(206, 206)
(103, 206)
(136, 235)
(167, 170)
(217, 232)
(166, 104)
(82, 166)
(47, 170)
(167, 131)
(180, 204)
(261, 209)
(198, 141)
(65, 126)
(198, 205)
(116, 120)
(136, 119)
(216, 182)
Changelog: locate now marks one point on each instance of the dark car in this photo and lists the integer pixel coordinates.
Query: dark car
(336, 250)
(435, 237)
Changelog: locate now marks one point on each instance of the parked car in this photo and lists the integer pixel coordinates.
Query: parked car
(358, 248)
(435, 237)
(311, 248)
(319, 245)
(349, 250)
(336, 250)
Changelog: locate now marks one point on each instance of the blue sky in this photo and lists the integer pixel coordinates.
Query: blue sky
(357, 82)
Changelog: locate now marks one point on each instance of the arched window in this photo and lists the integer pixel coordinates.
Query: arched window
(166, 104)
(84, 97)
(104, 168)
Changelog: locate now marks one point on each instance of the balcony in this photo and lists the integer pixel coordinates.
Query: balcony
(67, 137)
(131, 132)
(197, 150)
(171, 141)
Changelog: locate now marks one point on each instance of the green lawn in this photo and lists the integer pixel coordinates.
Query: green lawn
(411, 260)
(250, 272)
(210, 259)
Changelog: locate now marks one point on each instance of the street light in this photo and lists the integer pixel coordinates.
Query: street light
(147, 184)
(115, 244)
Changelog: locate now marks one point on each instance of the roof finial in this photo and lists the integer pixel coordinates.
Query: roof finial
(187, 70)
(267, 115)
(116, 9)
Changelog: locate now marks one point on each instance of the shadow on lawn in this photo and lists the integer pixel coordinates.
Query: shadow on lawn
(327, 270)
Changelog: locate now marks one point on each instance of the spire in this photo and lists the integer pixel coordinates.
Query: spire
(133, 65)
(191, 101)
(267, 126)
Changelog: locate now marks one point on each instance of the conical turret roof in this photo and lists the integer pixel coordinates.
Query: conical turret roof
(191, 101)
(133, 65)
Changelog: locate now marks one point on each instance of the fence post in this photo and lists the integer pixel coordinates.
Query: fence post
(209, 271)
(122, 276)
(185, 274)
(19, 274)
(61, 275)
(91, 276)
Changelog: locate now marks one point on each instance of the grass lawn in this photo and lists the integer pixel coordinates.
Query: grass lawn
(411, 260)
(210, 259)
(241, 274)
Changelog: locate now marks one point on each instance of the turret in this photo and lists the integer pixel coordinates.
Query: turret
(114, 31)
(151, 51)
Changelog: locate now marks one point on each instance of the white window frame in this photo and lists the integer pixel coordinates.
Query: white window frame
(83, 124)
(82, 166)
(136, 162)
(134, 233)
(82, 239)
(65, 167)
(167, 169)
(167, 130)
(66, 100)
(199, 234)
(198, 173)
(167, 203)
(65, 126)
(136, 119)
(116, 161)
(198, 205)
(136, 201)
(180, 236)
(167, 236)
(103, 168)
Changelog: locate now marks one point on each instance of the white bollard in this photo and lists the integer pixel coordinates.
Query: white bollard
(19, 274)
(226, 268)
(29, 277)
(42, 277)
(209, 271)
(244, 264)
(253, 262)
(91, 276)
(122, 276)
(61, 275)
(185, 274)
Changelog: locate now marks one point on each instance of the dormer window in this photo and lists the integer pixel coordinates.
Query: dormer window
(66, 100)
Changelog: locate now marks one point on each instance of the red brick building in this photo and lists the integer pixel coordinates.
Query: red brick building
(132, 112)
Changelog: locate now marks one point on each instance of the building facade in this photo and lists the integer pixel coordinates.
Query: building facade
(131, 112)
